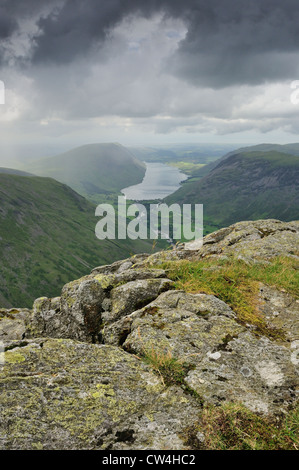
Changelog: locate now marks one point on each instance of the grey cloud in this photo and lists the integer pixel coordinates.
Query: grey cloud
(228, 41)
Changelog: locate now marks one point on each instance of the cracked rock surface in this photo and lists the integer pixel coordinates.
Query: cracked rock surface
(228, 362)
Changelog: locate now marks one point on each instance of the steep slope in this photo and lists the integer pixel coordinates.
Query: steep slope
(93, 170)
(47, 237)
(246, 186)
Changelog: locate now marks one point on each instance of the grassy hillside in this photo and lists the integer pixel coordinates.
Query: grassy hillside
(245, 186)
(47, 238)
(292, 149)
(95, 171)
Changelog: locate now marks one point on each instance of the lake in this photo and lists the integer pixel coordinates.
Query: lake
(159, 181)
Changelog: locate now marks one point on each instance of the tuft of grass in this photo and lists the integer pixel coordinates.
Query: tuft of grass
(237, 284)
(232, 426)
(171, 370)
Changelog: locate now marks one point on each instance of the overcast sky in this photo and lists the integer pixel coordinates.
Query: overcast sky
(147, 71)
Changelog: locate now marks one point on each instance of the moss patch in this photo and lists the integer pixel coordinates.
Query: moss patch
(13, 357)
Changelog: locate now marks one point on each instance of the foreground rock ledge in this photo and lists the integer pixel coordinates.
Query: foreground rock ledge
(71, 376)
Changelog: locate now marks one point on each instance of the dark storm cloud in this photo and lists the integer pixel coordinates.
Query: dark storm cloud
(227, 42)
(82, 24)
(77, 27)
(7, 24)
(243, 42)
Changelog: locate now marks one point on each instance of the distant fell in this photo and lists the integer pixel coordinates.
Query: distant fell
(292, 149)
(93, 170)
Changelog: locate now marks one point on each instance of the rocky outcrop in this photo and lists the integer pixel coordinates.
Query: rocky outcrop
(73, 373)
(251, 241)
(254, 240)
(89, 303)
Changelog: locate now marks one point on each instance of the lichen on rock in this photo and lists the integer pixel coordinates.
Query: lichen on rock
(70, 395)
